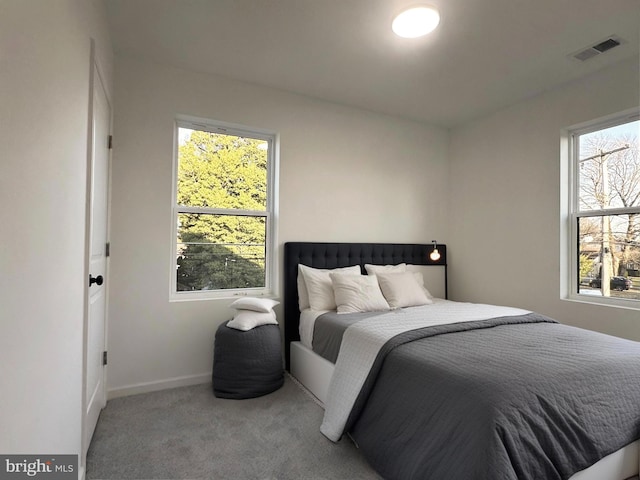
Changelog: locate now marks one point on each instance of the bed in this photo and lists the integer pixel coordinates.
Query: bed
(411, 412)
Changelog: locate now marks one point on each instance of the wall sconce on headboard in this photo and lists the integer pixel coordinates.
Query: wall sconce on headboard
(435, 254)
(437, 258)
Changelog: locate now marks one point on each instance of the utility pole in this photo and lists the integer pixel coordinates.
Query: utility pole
(606, 269)
(607, 266)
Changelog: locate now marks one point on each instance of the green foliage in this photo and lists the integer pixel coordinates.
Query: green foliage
(222, 171)
(207, 266)
(221, 251)
(586, 266)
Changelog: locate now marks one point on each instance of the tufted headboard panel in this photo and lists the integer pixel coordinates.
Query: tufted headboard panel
(335, 255)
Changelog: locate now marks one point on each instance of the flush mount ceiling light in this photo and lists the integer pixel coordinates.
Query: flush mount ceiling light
(416, 21)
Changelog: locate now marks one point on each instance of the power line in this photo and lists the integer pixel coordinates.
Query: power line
(602, 154)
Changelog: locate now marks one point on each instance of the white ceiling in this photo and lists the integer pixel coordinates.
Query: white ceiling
(485, 55)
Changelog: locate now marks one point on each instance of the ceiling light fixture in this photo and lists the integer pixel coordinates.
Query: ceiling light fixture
(416, 21)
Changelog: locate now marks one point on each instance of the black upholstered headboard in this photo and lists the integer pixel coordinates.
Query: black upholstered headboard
(334, 255)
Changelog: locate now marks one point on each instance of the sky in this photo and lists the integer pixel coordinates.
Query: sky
(625, 130)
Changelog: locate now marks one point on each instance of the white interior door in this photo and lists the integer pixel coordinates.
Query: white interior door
(95, 399)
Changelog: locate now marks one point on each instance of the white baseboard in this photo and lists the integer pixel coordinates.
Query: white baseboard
(157, 385)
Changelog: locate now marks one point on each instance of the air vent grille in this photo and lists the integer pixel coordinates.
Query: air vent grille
(597, 49)
(586, 54)
(608, 44)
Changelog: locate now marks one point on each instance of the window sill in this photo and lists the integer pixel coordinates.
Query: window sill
(220, 295)
(603, 301)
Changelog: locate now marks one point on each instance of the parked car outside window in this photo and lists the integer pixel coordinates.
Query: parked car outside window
(616, 283)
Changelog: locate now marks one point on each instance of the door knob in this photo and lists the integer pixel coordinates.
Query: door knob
(97, 280)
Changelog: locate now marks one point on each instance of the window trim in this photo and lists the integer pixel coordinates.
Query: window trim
(569, 270)
(270, 214)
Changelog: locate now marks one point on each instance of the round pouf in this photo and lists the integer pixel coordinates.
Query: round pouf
(247, 364)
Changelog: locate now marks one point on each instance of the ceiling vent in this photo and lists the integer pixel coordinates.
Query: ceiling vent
(597, 49)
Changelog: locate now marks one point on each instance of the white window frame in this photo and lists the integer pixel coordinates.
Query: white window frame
(271, 212)
(569, 267)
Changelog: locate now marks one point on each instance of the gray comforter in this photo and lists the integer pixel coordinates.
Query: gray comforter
(507, 398)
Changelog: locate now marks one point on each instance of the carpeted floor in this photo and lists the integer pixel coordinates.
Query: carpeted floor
(187, 433)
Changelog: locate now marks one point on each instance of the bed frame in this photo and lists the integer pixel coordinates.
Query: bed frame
(314, 372)
(336, 255)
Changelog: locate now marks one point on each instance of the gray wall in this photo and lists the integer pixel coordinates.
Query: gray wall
(44, 109)
(506, 223)
(345, 175)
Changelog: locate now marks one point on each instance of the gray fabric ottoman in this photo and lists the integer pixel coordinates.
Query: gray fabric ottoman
(247, 364)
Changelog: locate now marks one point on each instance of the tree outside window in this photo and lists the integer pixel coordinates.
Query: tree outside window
(222, 210)
(608, 210)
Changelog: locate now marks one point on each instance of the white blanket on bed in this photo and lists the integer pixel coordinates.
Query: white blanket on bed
(363, 340)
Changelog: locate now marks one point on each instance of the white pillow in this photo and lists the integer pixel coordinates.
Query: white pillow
(247, 319)
(402, 290)
(375, 269)
(420, 280)
(255, 304)
(315, 290)
(357, 293)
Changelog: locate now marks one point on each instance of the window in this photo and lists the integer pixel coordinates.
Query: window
(606, 211)
(224, 210)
